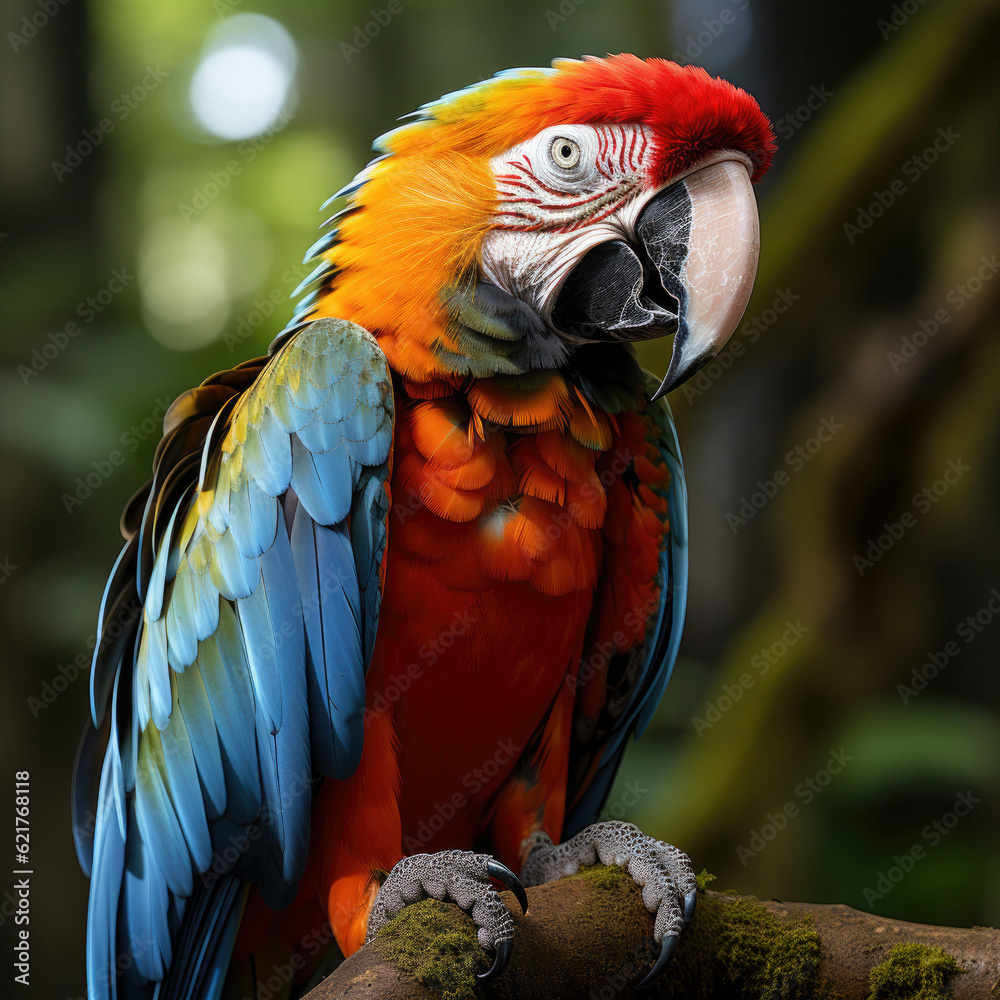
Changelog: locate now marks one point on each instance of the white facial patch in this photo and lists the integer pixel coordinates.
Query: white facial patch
(559, 195)
(570, 175)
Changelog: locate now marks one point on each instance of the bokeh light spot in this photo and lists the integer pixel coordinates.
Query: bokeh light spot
(246, 77)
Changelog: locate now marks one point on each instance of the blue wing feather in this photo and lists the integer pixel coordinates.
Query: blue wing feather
(257, 556)
(331, 608)
(105, 659)
(105, 881)
(230, 696)
(194, 707)
(210, 922)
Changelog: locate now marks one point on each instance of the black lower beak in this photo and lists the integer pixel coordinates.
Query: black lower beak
(629, 293)
(687, 271)
(613, 294)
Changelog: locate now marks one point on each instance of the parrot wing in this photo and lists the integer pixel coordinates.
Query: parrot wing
(256, 557)
(635, 680)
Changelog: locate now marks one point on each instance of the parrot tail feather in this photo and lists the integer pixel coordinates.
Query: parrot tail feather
(211, 921)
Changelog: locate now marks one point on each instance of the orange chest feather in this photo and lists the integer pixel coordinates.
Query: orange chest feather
(499, 543)
(485, 505)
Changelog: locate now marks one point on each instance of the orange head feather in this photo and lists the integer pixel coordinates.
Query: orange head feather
(417, 216)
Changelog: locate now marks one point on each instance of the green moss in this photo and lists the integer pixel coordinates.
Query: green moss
(434, 943)
(739, 950)
(762, 957)
(615, 881)
(913, 972)
(794, 959)
(611, 877)
(704, 879)
(735, 949)
(604, 876)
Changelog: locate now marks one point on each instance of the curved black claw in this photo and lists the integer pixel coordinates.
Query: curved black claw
(504, 948)
(689, 900)
(506, 877)
(666, 950)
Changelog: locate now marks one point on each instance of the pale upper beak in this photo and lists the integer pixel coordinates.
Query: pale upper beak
(687, 269)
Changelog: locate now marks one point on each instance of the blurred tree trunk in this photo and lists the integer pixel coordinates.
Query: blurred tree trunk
(858, 298)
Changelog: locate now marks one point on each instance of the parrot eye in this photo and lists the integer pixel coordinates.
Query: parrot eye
(565, 152)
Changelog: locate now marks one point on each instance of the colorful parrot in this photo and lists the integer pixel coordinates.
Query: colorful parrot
(410, 582)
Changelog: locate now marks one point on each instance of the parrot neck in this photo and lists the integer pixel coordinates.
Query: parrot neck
(583, 396)
(477, 341)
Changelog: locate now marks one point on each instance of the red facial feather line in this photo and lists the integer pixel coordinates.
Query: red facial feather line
(602, 155)
(612, 173)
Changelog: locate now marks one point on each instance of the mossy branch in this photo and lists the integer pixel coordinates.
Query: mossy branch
(588, 936)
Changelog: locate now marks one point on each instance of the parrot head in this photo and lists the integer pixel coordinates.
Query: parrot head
(516, 223)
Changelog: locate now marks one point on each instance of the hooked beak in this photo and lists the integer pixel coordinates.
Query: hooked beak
(688, 270)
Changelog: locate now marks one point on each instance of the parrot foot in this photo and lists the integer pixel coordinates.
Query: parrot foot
(463, 877)
(668, 882)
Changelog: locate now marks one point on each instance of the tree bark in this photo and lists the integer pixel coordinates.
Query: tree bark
(589, 936)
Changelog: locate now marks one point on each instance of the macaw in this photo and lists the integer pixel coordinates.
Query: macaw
(399, 592)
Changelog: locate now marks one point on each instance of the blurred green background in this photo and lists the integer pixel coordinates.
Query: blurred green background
(173, 251)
